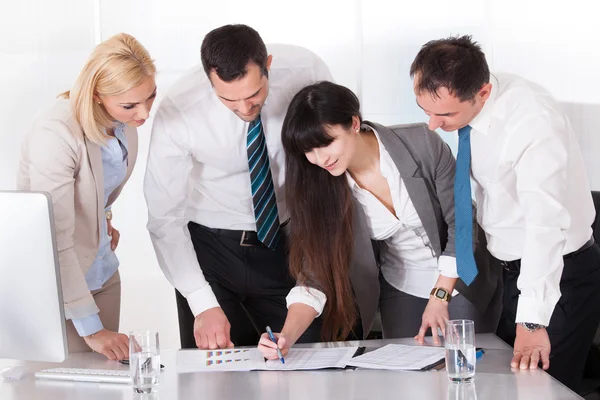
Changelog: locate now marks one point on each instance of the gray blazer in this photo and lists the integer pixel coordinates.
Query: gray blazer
(427, 168)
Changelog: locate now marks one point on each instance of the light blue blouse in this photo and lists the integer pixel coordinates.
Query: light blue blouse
(114, 167)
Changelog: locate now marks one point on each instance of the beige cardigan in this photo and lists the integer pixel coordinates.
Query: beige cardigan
(57, 158)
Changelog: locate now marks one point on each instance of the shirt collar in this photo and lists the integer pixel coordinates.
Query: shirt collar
(120, 131)
(351, 182)
(385, 162)
(481, 122)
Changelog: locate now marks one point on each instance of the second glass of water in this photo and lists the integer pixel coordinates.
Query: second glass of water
(460, 350)
(144, 361)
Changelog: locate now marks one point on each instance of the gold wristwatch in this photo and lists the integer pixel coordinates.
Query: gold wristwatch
(441, 294)
(108, 214)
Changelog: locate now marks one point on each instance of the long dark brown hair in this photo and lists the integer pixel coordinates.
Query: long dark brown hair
(320, 204)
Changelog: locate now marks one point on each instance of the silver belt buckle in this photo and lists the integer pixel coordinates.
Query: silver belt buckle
(243, 240)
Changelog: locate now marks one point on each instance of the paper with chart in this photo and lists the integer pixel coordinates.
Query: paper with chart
(251, 359)
(305, 359)
(399, 357)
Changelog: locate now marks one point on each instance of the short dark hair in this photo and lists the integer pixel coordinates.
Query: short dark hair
(456, 63)
(228, 50)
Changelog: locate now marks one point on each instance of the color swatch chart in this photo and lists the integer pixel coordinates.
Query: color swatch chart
(219, 360)
(218, 357)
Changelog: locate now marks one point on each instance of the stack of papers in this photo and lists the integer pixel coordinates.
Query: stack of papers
(391, 357)
(252, 359)
(400, 357)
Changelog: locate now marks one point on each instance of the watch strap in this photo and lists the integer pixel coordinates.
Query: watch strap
(531, 327)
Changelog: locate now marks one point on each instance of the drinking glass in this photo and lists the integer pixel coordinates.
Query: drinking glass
(460, 350)
(144, 361)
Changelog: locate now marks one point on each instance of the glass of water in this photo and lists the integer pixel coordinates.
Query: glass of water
(460, 350)
(144, 361)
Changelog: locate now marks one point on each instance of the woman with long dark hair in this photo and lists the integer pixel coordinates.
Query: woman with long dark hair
(371, 225)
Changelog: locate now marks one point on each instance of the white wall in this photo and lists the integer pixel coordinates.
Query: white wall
(368, 45)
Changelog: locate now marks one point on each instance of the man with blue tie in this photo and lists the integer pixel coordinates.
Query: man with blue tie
(533, 202)
(214, 187)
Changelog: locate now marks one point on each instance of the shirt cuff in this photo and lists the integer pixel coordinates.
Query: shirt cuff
(447, 266)
(87, 326)
(310, 296)
(202, 300)
(534, 311)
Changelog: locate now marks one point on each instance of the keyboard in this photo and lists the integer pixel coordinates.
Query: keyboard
(85, 375)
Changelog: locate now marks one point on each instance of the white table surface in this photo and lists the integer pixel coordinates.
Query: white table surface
(494, 380)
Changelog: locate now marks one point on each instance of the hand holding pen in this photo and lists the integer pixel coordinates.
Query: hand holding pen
(270, 345)
(272, 337)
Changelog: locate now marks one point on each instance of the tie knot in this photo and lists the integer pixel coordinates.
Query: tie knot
(255, 122)
(465, 130)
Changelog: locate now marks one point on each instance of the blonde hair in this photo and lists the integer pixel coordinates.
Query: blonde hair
(115, 66)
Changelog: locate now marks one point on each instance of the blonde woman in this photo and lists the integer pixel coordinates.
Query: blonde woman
(82, 151)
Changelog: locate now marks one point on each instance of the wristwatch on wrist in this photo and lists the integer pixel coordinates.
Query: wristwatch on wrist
(441, 294)
(108, 214)
(531, 327)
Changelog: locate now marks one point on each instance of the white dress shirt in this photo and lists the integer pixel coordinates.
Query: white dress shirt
(531, 188)
(198, 164)
(409, 263)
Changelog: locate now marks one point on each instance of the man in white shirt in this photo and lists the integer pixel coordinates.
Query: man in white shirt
(214, 187)
(533, 201)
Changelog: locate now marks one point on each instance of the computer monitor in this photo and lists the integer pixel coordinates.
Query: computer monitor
(32, 321)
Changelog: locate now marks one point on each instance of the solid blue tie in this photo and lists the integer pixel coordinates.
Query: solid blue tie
(463, 209)
(263, 191)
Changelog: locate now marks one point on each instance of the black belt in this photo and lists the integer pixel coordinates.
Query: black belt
(245, 238)
(516, 264)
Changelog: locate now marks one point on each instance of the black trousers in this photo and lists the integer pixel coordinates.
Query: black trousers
(250, 283)
(401, 313)
(575, 318)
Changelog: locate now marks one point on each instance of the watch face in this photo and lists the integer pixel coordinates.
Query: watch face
(441, 294)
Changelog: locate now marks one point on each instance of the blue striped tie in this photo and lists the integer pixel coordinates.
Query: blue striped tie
(463, 209)
(263, 191)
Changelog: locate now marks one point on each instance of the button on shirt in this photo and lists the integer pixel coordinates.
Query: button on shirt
(114, 169)
(198, 164)
(531, 188)
(409, 263)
